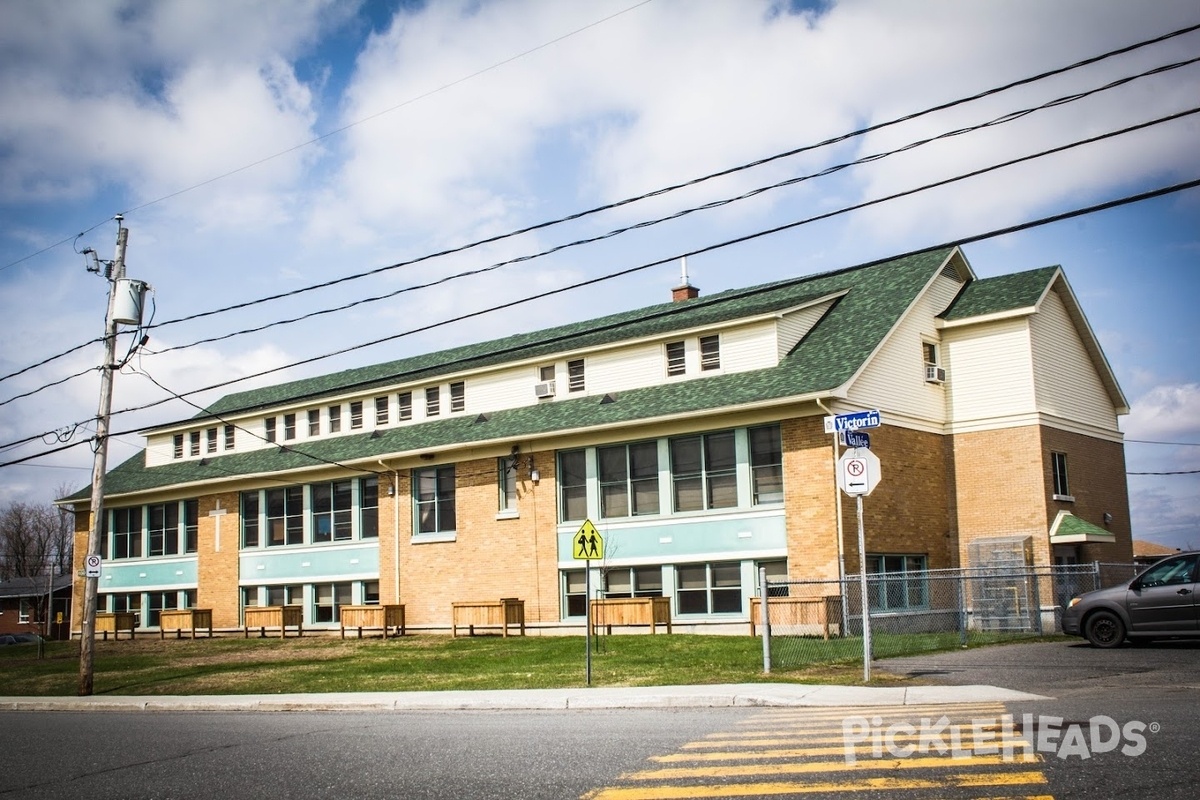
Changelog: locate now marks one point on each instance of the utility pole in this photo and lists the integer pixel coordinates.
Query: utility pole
(87, 641)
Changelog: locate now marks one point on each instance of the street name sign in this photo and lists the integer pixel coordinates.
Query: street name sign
(853, 422)
(856, 439)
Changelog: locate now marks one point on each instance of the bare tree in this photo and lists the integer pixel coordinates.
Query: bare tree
(35, 540)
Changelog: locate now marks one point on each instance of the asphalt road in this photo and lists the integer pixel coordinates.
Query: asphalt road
(1156, 684)
(1139, 694)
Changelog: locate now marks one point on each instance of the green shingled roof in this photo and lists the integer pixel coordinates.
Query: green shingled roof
(876, 296)
(1001, 293)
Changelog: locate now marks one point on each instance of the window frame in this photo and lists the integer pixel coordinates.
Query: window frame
(335, 419)
(711, 481)
(1060, 476)
(894, 593)
(381, 411)
(404, 406)
(718, 592)
(356, 415)
(676, 362)
(434, 498)
(576, 375)
(632, 481)
(433, 401)
(314, 422)
(766, 467)
(710, 353)
(458, 396)
(506, 486)
(571, 494)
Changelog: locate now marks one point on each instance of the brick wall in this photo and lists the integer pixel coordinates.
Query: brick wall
(490, 557)
(1096, 478)
(217, 558)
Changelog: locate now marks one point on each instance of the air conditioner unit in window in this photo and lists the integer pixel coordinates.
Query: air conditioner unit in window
(544, 389)
(934, 374)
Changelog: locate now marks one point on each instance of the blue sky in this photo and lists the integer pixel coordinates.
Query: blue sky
(261, 147)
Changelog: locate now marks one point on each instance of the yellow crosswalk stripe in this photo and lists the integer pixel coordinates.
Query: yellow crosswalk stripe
(862, 752)
(734, 770)
(794, 787)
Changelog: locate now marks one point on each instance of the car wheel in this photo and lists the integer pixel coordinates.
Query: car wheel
(1105, 629)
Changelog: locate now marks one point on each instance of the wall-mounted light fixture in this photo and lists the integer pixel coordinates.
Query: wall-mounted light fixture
(534, 475)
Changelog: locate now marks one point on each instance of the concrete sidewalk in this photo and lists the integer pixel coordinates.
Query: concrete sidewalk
(719, 696)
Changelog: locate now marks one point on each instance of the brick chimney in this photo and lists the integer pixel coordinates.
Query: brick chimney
(685, 290)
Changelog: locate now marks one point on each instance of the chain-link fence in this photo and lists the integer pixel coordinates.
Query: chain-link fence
(821, 621)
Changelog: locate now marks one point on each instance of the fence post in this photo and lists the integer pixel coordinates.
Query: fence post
(962, 608)
(1037, 602)
(766, 619)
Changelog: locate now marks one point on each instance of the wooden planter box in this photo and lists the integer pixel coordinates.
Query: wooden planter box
(372, 617)
(612, 612)
(281, 617)
(115, 622)
(184, 619)
(502, 614)
(819, 613)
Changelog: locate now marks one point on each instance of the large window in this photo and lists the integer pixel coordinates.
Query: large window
(704, 470)
(766, 464)
(897, 582)
(433, 497)
(157, 602)
(574, 593)
(332, 511)
(368, 514)
(285, 516)
(1058, 468)
(628, 479)
(250, 519)
(163, 528)
(191, 525)
(572, 484)
(633, 582)
(709, 588)
(127, 532)
(287, 595)
(328, 598)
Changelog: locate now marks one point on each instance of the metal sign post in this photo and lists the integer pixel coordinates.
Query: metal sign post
(857, 475)
(586, 545)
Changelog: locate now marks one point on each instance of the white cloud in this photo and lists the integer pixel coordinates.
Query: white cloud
(1166, 413)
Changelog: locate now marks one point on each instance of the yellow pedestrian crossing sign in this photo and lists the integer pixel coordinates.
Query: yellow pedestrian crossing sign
(588, 543)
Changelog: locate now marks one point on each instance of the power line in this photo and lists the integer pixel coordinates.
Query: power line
(1180, 472)
(664, 190)
(1002, 119)
(1172, 444)
(996, 232)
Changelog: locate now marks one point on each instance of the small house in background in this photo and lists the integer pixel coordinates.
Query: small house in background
(26, 603)
(1146, 553)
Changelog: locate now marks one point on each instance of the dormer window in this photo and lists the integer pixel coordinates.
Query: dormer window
(458, 396)
(269, 429)
(289, 426)
(356, 415)
(433, 401)
(194, 443)
(381, 411)
(676, 358)
(710, 352)
(404, 406)
(575, 381)
(178, 443)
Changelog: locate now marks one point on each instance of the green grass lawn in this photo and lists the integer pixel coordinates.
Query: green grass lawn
(420, 662)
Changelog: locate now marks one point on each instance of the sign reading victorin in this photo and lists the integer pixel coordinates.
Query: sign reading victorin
(852, 422)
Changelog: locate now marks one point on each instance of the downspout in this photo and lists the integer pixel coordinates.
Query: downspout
(395, 524)
(837, 501)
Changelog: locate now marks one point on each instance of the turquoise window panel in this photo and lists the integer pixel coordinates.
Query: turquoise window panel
(683, 539)
(118, 576)
(269, 566)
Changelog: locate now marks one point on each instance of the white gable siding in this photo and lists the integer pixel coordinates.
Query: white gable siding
(793, 326)
(510, 388)
(749, 347)
(989, 371)
(625, 368)
(895, 378)
(160, 450)
(1065, 377)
